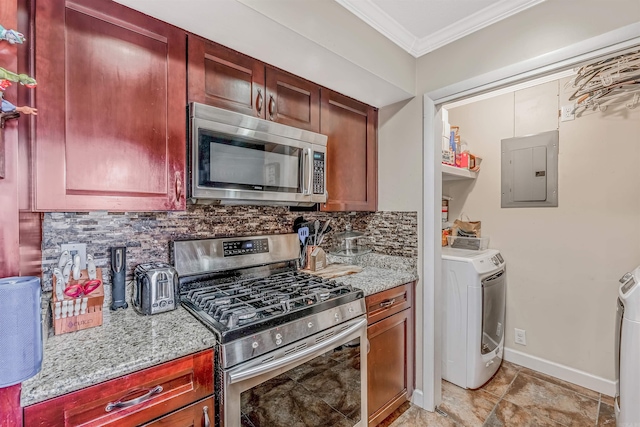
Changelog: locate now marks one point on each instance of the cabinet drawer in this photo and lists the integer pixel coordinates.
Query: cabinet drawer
(132, 399)
(199, 414)
(389, 302)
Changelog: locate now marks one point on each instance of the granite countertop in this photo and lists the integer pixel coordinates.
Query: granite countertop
(374, 279)
(380, 272)
(126, 342)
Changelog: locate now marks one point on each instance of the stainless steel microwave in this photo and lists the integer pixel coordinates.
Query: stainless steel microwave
(238, 159)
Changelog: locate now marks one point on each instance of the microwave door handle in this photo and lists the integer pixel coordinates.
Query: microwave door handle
(307, 172)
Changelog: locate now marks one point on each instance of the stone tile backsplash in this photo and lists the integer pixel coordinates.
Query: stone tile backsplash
(147, 235)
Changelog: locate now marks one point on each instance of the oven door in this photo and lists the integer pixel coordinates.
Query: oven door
(318, 381)
(234, 165)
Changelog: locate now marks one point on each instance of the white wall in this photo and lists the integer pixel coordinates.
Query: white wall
(562, 263)
(552, 25)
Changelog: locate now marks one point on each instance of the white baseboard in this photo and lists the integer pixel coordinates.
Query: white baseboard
(418, 398)
(565, 373)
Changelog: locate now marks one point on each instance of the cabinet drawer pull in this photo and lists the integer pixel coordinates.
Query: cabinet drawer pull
(387, 303)
(126, 403)
(272, 107)
(259, 102)
(205, 411)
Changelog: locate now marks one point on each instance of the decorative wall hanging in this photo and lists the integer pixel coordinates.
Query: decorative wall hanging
(7, 109)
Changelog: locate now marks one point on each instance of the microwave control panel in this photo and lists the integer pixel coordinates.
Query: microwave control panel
(318, 173)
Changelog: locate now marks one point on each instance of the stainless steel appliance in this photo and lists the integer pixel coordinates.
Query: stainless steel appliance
(156, 288)
(239, 159)
(290, 345)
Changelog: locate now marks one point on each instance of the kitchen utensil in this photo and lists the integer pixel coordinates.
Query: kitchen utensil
(303, 233)
(325, 229)
(91, 268)
(64, 258)
(156, 288)
(76, 267)
(118, 275)
(316, 227)
(59, 290)
(66, 272)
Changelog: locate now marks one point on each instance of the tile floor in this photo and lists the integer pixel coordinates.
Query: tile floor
(516, 396)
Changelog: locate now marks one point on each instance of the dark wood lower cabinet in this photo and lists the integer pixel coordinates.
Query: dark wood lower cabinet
(133, 399)
(391, 357)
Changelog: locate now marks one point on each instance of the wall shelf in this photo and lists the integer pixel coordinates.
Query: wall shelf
(452, 173)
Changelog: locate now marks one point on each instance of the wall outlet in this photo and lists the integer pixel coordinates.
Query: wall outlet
(566, 113)
(521, 336)
(77, 248)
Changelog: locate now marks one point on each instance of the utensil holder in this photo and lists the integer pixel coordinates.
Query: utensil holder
(93, 312)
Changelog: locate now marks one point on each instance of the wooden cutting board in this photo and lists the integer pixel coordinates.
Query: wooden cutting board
(336, 270)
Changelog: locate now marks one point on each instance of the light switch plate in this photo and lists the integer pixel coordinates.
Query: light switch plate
(521, 336)
(76, 248)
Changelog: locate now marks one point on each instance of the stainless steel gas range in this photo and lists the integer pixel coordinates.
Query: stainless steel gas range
(289, 343)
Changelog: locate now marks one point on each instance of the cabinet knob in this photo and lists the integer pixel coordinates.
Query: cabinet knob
(259, 102)
(272, 107)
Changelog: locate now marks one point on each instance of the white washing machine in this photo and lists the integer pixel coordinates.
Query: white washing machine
(474, 289)
(627, 401)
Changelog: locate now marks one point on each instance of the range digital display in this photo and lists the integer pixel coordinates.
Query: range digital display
(245, 247)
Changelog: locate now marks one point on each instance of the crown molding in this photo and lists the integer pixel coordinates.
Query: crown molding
(377, 18)
(479, 20)
(380, 20)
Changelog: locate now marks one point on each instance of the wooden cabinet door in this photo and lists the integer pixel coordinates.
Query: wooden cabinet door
(111, 96)
(389, 365)
(224, 78)
(292, 100)
(199, 414)
(352, 153)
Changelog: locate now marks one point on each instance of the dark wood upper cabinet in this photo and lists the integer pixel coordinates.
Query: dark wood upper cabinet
(352, 152)
(110, 131)
(225, 78)
(292, 100)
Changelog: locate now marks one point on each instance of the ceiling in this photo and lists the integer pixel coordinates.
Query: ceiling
(421, 26)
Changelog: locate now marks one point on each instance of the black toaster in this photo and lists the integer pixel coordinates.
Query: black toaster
(156, 288)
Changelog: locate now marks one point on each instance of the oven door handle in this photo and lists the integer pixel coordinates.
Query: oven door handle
(254, 371)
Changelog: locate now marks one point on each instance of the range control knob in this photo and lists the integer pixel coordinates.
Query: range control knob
(278, 336)
(255, 344)
(337, 316)
(278, 341)
(310, 325)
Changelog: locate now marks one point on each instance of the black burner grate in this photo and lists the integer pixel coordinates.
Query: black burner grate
(244, 301)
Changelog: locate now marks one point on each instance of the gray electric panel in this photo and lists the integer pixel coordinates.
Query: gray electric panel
(530, 171)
